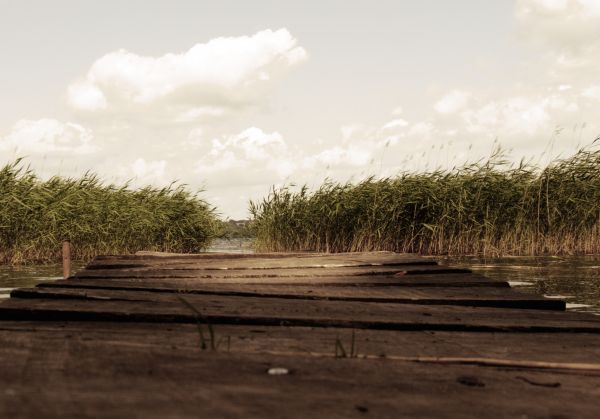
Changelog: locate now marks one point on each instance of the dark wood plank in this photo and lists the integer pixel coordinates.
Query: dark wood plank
(258, 261)
(538, 347)
(162, 256)
(188, 279)
(117, 305)
(65, 374)
(467, 296)
(218, 272)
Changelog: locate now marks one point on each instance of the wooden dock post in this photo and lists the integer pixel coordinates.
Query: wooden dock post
(66, 258)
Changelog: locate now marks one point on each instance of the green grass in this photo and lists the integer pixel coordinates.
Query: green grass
(36, 216)
(488, 208)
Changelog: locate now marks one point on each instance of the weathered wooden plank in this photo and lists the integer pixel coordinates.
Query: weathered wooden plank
(448, 280)
(365, 276)
(194, 271)
(454, 280)
(307, 261)
(480, 297)
(262, 273)
(71, 375)
(166, 257)
(539, 347)
(115, 305)
(149, 254)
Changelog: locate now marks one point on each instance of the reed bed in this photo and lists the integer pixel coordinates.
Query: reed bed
(486, 208)
(36, 216)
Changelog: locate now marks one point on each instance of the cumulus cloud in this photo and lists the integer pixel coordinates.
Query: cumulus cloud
(348, 131)
(452, 102)
(249, 156)
(142, 168)
(568, 29)
(86, 96)
(48, 136)
(350, 155)
(394, 123)
(592, 92)
(137, 172)
(200, 112)
(252, 143)
(576, 8)
(517, 115)
(206, 80)
(421, 129)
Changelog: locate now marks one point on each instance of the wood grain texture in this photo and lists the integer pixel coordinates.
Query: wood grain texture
(546, 347)
(119, 305)
(75, 374)
(265, 260)
(466, 296)
(361, 334)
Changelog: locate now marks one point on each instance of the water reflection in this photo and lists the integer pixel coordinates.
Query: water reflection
(575, 279)
(28, 276)
(12, 277)
(237, 245)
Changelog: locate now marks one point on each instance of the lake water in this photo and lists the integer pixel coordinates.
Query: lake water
(574, 279)
(28, 276)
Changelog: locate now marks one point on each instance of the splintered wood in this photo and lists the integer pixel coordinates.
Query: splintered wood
(292, 335)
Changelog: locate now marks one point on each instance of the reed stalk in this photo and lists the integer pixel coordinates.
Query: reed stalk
(36, 216)
(486, 208)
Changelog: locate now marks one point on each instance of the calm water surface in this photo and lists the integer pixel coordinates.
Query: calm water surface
(28, 276)
(574, 279)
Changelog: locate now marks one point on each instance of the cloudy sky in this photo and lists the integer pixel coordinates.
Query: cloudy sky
(233, 97)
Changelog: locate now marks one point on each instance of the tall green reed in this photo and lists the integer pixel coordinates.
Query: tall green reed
(489, 208)
(35, 216)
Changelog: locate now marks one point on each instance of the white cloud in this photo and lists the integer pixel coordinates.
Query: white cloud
(86, 96)
(138, 172)
(201, 112)
(423, 130)
(395, 123)
(592, 92)
(253, 143)
(551, 5)
(586, 8)
(348, 131)
(522, 115)
(224, 72)
(525, 115)
(252, 155)
(148, 170)
(352, 155)
(452, 102)
(46, 136)
(569, 29)
(194, 140)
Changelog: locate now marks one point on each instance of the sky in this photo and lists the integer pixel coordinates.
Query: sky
(232, 98)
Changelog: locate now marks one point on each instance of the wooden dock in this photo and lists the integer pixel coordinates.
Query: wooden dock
(379, 335)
